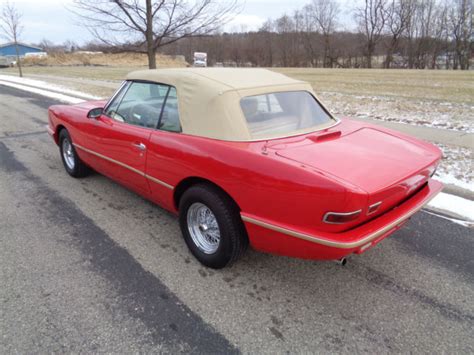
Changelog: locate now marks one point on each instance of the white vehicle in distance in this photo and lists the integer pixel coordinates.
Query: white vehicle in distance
(200, 59)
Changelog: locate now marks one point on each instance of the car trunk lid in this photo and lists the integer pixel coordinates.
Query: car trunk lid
(388, 168)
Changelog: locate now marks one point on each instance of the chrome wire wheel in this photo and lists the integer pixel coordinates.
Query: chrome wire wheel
(203, 228)
(68, 154)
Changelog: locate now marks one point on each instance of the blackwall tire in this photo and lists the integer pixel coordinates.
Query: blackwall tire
(71, 161)
(211, 226)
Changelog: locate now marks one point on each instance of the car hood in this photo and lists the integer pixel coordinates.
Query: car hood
(368, 158)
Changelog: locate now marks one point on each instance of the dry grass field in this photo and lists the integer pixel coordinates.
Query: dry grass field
(437, 85)
(443, 99)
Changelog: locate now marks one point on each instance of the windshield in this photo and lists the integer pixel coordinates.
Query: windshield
(283, 114)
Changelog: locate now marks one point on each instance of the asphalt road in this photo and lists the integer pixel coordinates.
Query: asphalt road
(86, 265)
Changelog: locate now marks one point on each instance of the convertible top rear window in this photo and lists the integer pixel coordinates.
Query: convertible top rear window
(283, 113)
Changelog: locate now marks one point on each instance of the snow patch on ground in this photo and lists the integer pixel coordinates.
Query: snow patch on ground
(454, 204)
(454, 220)
(449, 179)
(429, 113)
(456, 167)
(9, 79)
(53, 95)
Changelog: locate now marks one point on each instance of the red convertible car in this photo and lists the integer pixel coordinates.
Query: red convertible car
(249, 156)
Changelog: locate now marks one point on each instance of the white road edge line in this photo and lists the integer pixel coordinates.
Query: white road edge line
(446, 202)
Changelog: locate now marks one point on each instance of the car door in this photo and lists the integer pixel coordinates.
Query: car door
(124, 130)
(92, 130)
(165, 149)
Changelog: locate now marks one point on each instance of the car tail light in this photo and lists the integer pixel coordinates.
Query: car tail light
(341, 218)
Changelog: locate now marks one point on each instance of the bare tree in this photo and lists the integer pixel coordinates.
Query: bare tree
(299, 59)
(308, 37)
(460, 18)
(145, 26)
(47, 45)
(70, 46)
(417, 29)
(11, 27)
(325, 13)
(285, 27)
(267, 37)
(427, 33)
(424, 23)
(438, 33)
(371, 19)
(397, 18)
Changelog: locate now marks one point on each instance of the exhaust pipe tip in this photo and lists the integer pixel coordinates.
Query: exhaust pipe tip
(341, 261)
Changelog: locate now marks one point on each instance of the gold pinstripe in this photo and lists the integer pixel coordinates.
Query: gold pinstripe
(331, 243)
(292, 233)
(141, 173)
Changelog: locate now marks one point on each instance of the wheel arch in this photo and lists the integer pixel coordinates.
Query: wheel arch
(57, 132)
(186, 183)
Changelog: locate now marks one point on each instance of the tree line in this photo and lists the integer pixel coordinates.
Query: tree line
(415, 34)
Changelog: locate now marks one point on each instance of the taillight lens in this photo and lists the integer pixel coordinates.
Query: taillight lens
(341, 218)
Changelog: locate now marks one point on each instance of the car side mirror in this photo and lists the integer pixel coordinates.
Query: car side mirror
(95, 112)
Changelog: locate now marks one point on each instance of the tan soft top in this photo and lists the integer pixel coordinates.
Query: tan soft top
(209, 98)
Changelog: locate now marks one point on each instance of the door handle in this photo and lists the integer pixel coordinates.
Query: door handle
(140, 146)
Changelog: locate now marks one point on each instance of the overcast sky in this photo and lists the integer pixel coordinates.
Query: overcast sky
(50, 19)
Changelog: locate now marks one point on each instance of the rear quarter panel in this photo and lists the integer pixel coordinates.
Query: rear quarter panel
(262, 185)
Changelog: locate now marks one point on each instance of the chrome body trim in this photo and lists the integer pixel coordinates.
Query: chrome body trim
(106, 106)
(155, 180)
(339, 244)
(141, 173)
(377, 204)
(327, 214)
(140, 146)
